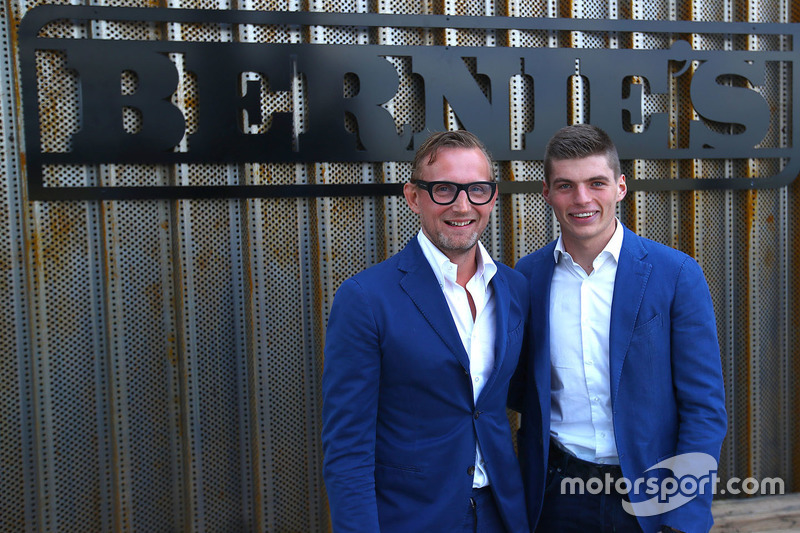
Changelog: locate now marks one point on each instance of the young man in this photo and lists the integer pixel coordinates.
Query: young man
(624, 364)
(418, 357)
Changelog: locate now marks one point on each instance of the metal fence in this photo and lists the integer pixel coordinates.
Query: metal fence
(160, 360)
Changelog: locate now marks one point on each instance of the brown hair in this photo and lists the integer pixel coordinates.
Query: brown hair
(578, 141)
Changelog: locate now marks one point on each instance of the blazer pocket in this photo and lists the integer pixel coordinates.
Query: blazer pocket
(516, 332)
(650, 342)
(398, 466)
(654, 323)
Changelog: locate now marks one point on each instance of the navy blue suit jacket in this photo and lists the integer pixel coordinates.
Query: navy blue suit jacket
(667, 392)
(399, 422)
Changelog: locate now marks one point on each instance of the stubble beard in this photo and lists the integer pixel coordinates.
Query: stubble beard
(448, 244)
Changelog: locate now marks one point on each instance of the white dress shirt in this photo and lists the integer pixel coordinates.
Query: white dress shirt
(477, 335)
(580, 321)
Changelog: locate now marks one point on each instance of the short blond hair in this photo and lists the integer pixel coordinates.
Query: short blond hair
(426, 153)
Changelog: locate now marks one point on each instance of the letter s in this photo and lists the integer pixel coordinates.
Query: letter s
(728, 105)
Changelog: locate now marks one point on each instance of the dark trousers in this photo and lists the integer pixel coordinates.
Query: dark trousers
(482, 515)
(565, 512)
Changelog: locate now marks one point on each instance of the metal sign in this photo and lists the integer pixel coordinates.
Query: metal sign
(231, 79)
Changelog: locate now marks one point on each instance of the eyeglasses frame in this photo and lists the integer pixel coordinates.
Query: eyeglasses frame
(428, 186)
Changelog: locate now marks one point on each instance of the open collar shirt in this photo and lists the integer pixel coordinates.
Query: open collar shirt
(478, 335)
(580, 321)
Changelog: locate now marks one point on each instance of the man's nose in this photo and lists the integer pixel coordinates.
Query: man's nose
(582, 194)
(462, 202)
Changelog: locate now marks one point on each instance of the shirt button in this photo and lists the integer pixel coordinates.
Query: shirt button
(471, 470)
(477, 380)
(589, 363)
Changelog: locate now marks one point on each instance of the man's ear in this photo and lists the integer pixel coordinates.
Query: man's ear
(411, 192)
(545, 191)
(622, 187)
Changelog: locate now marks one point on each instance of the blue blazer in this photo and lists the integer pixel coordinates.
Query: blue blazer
(399, 422)
(667, 392)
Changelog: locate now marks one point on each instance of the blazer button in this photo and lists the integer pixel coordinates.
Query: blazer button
(471, 470)
(476, 414)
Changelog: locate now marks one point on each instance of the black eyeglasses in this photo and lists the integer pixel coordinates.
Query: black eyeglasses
(446, 192)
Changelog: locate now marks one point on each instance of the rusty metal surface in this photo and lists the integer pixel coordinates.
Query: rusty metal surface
(160, 361)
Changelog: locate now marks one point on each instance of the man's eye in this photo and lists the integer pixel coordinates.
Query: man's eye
(443, 188)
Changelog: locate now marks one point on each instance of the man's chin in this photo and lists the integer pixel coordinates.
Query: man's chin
(447, 244)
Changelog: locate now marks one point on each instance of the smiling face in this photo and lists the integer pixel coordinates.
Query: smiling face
(584, 194)
(453, 228)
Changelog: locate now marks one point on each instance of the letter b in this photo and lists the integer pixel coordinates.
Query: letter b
(102, 136)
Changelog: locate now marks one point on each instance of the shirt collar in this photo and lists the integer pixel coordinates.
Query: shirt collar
(613, 246)
(441, 264)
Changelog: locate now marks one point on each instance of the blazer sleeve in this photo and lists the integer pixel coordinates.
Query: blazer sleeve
(699, 386)
(519, 380)
(350, 383)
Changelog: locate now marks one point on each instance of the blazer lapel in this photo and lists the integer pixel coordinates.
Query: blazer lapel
(502, 297)
(629, 286)
(419, 282)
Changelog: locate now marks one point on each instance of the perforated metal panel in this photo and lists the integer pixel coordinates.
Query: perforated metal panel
(17, 486)
(160, 361)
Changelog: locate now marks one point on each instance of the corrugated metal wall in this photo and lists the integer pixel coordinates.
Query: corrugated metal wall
(160, 360)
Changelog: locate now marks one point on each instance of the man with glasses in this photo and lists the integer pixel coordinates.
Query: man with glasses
(419, 352)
